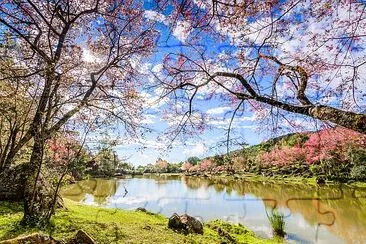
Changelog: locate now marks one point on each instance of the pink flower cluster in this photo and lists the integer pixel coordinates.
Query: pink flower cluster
(283, 156)
(206, 165)
(161, 164)
(186, 166)
(60, 151)
(320, 145)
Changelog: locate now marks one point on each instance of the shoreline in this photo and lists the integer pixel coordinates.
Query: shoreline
(250, 177)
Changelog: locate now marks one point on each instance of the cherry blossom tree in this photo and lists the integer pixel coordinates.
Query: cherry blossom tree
(78, 56)
(206, 165)
(16, 107)
(161, 165)
(186, 166)
(287, 61)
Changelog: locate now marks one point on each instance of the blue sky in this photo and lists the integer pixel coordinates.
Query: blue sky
(210, 142)
(303, 37)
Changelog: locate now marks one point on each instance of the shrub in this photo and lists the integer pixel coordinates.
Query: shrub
(283, 156)
(358, 159)
(277, 221)
(326, 145)
(206, 165)
(186, 166)
(323, 144)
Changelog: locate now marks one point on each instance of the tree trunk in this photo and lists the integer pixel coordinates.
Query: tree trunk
(350, 120)
(38, 194)
(347, 119)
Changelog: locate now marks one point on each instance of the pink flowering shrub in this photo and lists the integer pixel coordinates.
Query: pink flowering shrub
(161, 165)
(206, 165)
(283, 156)
(220, 169)
(320, 146)
(186, 166)
(194, 168)
(61, 150)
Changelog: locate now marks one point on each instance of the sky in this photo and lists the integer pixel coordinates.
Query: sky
(208, 143)
(298, 38)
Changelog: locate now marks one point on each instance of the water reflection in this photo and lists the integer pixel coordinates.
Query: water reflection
(327, 214)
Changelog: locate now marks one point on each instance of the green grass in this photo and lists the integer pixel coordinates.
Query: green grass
(358, 184)
(278, 223)
(255, 177)
(119, 226)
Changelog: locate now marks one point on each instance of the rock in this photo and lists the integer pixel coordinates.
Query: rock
(320, 180)
(144, 211)
(225, 234)
(81, 237)
(185, 224)
(141, 209)
(34, 238)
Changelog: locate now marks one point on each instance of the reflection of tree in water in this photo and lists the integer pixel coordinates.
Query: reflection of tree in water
(104, 189)
(196, 182)
(100, 189)
(161, 179)
(73, 192)
(336, 207)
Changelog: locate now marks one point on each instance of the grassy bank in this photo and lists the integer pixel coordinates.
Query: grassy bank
(119, 226)
(279, 178)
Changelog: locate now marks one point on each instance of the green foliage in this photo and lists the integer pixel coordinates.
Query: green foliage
(358, 159)
(107, 162)
(174, 168)
(78, 166)
(294, 139)
(278, 223)
(170, 168)
(222, 159)
(193, 160)
(124, 166)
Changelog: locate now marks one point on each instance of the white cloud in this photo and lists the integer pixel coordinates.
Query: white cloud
(218, 110)
(157, 68)
(152, 15)
(153, 101)
(198, 150)
(182, 30)
(149, 119)
(238, 122)
(89, 57)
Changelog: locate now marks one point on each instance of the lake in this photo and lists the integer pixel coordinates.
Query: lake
(313, 214)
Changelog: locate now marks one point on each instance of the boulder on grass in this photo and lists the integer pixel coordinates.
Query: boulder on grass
(185, 224)
(34, 238)
(81, 237)
(144, 211)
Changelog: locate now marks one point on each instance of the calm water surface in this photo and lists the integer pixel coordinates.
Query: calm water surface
(327, 214)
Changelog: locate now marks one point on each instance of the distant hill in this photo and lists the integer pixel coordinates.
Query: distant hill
(336, 154)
